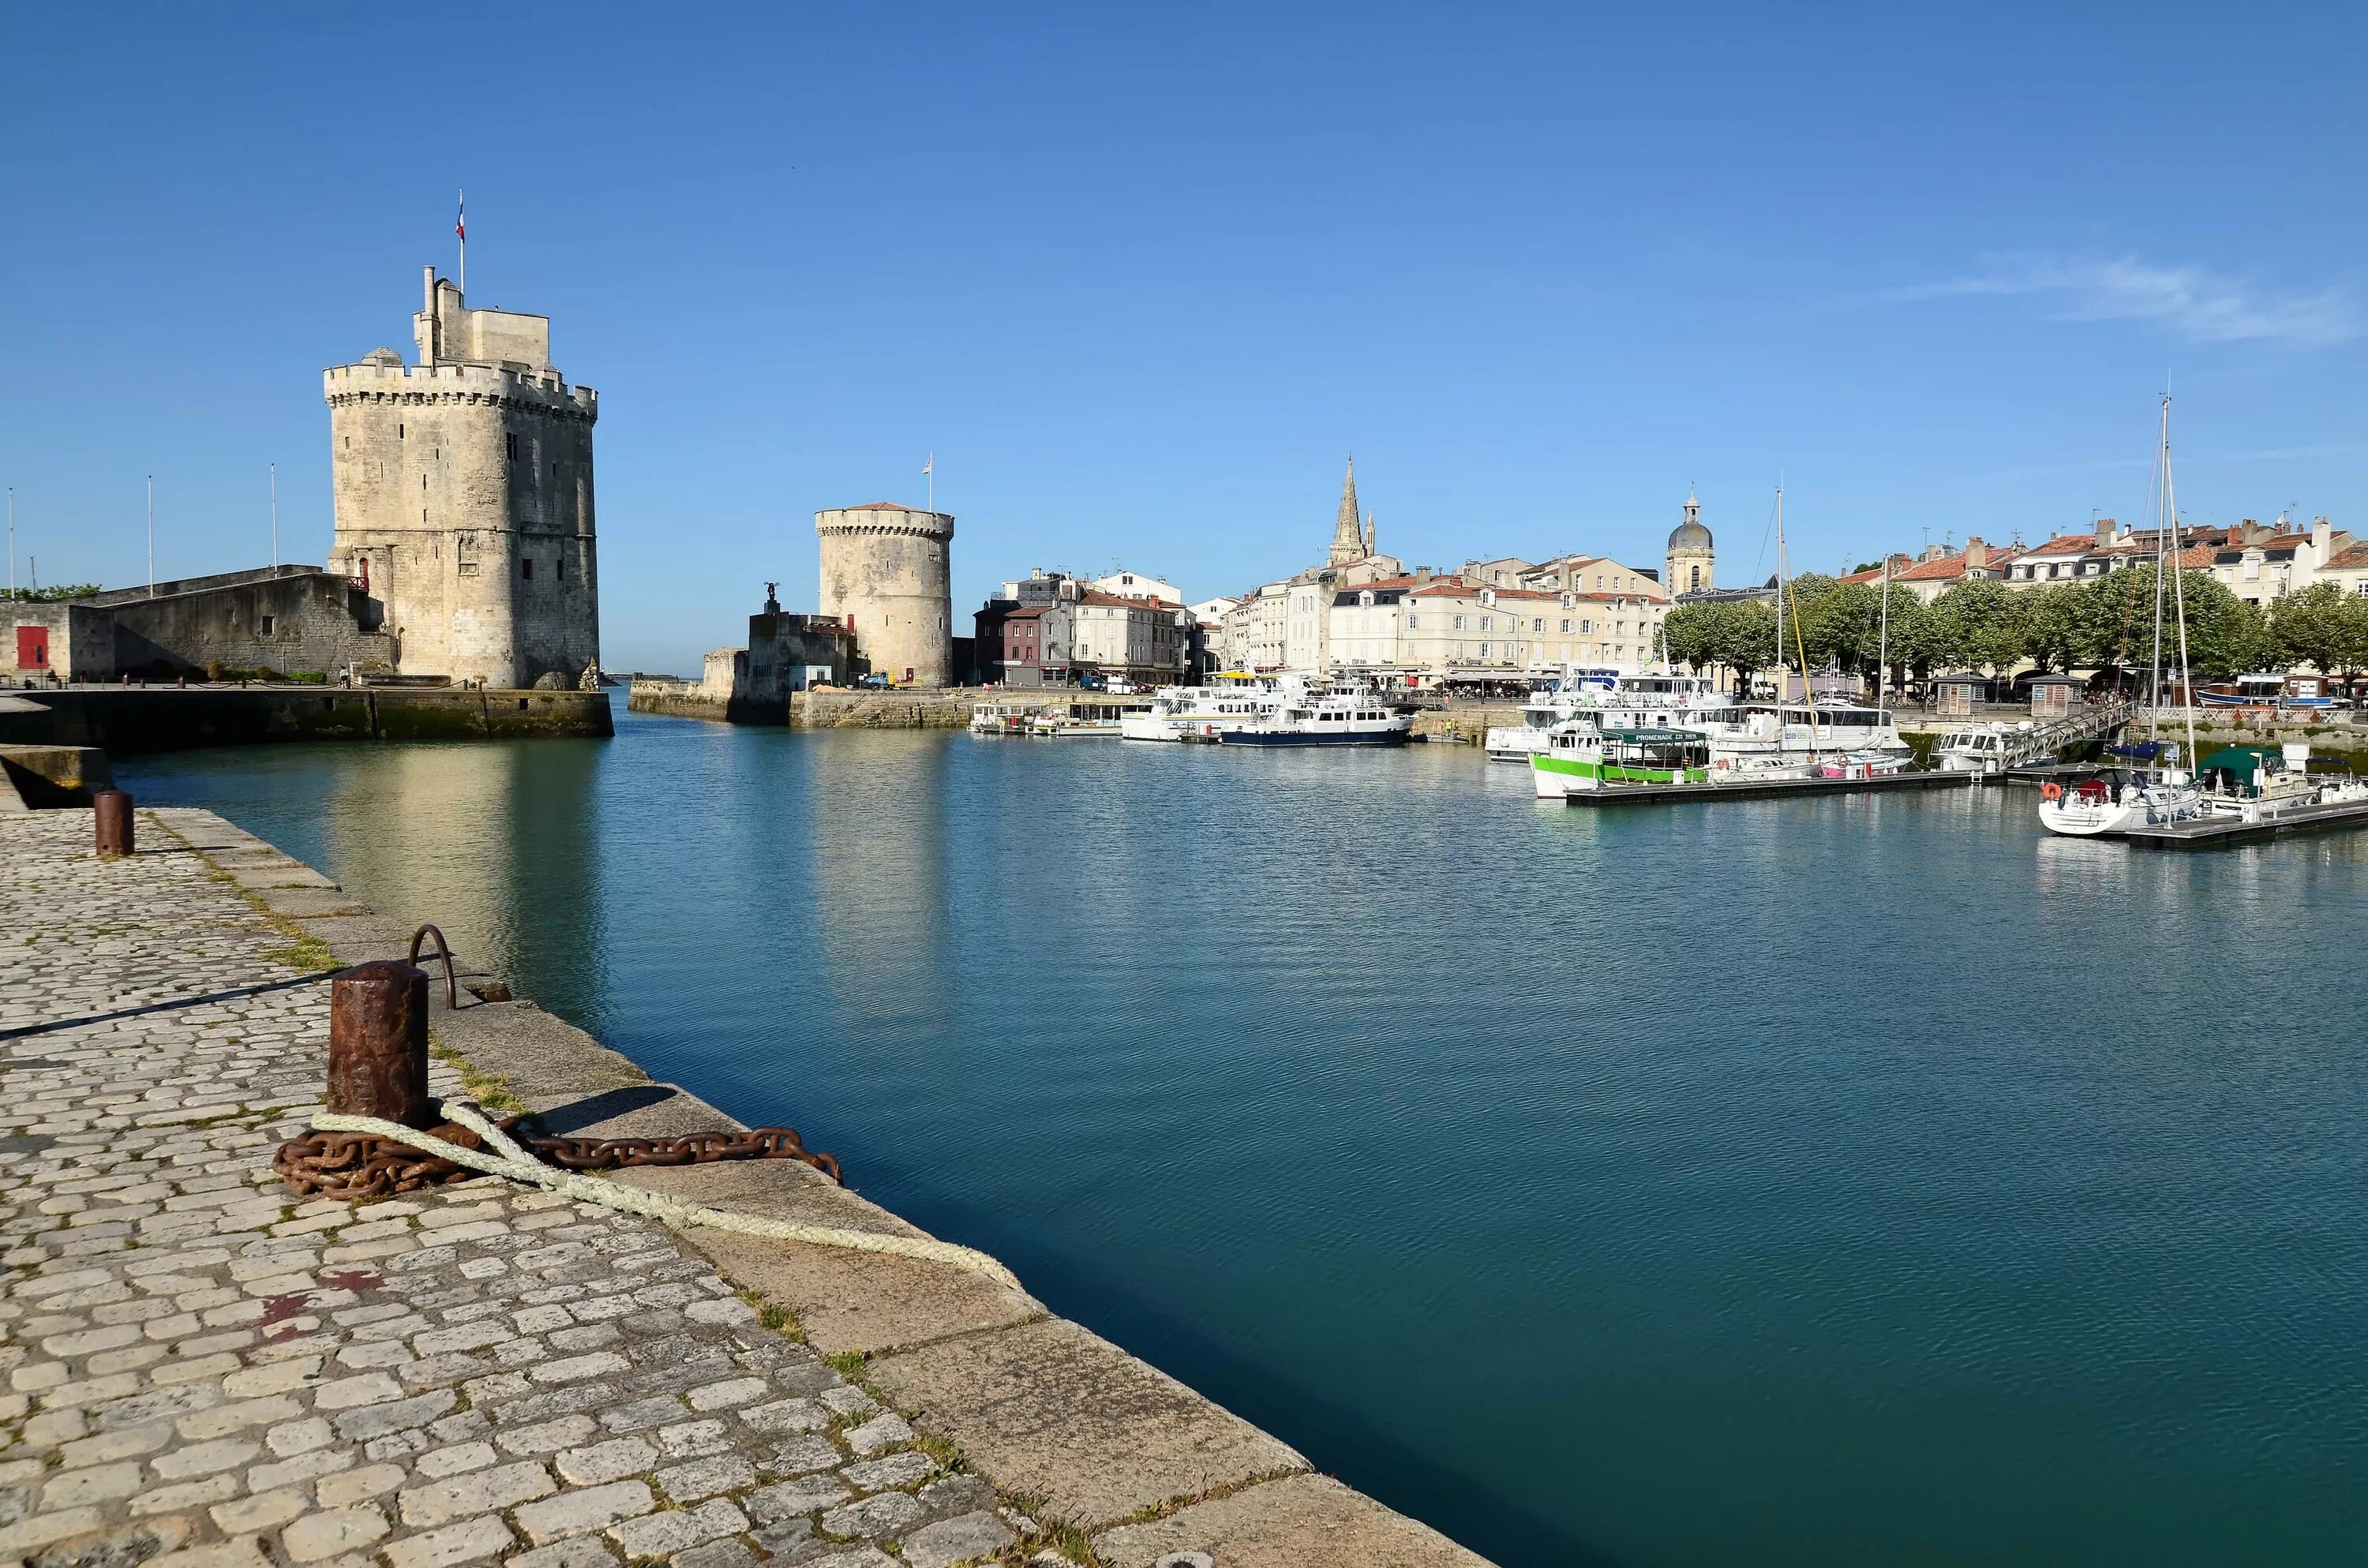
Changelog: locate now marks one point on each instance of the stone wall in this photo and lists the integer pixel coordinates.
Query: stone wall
(289, 619)
(137, 719)
(882, 710)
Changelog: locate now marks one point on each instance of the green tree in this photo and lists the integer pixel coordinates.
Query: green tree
(2053, 624)
(1985, 624)
(2315, 628)
(1690, 635)
(1843, 625)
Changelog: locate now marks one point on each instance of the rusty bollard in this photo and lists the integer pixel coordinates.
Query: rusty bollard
(112, 816)
(378, 1044)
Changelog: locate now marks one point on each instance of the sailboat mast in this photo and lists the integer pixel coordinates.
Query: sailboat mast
(2162, 478)
(1882, 636)
(1781, 680)
(2178, 591)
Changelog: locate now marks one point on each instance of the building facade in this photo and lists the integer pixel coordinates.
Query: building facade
(464, 497)
(886, 572)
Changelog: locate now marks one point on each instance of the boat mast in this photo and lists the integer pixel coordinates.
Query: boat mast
(2162, 521)
(2178, 591)
(1782, 683)
(1882, 637)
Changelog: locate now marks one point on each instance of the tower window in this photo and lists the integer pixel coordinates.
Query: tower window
(526, 568)
(512, 439)
(560, 567)
(398, 432)
(269, 622)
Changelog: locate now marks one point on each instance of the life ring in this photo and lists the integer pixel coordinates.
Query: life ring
(2051, 791)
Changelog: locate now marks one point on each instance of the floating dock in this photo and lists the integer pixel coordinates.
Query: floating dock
(1765, 789)
(2222, 833)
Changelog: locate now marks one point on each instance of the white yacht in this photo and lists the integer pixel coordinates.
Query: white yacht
(1343, 717)
(1547, 707)
(1758, 735)
(2115, 798)
(1976, 749)
(1203, 713)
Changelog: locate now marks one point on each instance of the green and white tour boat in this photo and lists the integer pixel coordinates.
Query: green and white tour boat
(1578, 759)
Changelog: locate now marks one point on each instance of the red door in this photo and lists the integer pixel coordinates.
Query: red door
(33, 647)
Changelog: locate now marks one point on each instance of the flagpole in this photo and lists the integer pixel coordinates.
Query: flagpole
(930, 467)
(460, 227)
(152, 536)
(274, 517)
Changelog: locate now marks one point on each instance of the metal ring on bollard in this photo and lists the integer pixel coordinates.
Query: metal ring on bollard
(451, 988)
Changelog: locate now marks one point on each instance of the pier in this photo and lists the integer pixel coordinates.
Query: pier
(2223, 833)
(1765, 789)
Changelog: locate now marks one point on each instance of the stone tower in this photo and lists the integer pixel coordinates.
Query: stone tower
(1348, 532)
(463, 495)
(1690, 556)
(885, 572)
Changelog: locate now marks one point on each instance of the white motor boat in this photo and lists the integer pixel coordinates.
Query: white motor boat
(1203, 712)
(1335, 718)
(1001, 717)
(1086, 717)
(1976, 749)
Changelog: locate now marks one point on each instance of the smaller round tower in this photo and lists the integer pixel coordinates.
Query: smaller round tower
(1690, 556)
(886, 572)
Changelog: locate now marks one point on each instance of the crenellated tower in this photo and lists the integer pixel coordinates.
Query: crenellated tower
(463, 496)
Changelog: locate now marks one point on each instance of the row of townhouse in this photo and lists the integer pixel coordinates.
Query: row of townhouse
(2258, 563)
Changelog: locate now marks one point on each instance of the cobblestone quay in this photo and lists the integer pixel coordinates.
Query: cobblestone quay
(204, 1373)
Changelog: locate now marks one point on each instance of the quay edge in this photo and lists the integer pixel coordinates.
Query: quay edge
(1140, 1465)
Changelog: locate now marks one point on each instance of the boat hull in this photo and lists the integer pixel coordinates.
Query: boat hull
(1294, 738)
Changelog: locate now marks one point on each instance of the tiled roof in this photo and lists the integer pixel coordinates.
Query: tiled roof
(1031, 613)
(1122, 601)
(2065, 544)
(1938, 570)
(1453, 589)
(2351, 559)
(2201, 555)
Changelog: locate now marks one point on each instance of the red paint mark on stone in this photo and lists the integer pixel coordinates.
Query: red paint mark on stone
(358, 1280)
(280, 1309)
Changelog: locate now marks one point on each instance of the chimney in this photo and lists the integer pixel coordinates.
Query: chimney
(2322, 540)
(1421, 574)
(1978, 554)
(2104, 533)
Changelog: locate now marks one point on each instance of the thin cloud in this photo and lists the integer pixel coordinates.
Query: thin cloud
(2199, 306)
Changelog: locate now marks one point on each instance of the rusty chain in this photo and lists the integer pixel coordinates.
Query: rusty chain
(361, 1164)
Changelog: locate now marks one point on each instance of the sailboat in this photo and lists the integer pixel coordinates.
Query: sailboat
(2113, 798)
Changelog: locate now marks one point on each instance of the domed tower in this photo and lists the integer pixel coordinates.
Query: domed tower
(885, 572)
(1690, 555)
(463, 496)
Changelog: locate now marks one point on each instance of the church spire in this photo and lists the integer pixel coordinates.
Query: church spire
(1348, 534)
(1370, 548)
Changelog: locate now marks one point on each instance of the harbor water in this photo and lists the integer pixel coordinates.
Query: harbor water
(1847, 1180)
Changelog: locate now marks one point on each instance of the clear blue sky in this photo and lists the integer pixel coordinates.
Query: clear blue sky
(1141, 279)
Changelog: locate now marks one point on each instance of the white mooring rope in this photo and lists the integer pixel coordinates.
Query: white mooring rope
(517, 1165)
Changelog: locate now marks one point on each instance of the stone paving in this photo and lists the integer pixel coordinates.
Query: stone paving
(202, 1371)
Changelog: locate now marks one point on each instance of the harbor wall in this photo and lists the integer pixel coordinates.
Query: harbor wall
(136, 719)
